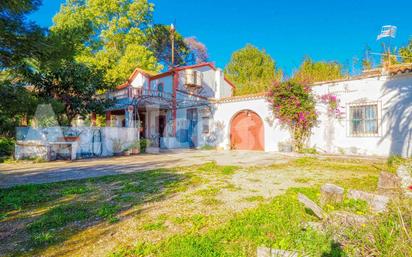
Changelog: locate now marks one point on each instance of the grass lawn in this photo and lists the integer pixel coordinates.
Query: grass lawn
(205, 210)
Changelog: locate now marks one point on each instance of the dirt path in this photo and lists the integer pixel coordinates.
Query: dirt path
(24, 173)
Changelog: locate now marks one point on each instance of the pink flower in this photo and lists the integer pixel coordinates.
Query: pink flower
(301, 117)
(410, 187)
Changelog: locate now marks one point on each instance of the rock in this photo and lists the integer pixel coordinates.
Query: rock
(406, 179)
(388, 180)
(378, 203)
(389, 184)
(330, 194)
(345, 219)
(268, 252)
(263, 252)
(321, 214)
(317, 226)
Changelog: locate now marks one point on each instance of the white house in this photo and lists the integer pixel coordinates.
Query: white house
(194, 106)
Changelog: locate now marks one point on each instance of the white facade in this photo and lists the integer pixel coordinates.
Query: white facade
(393, 98)
(375, 113)
(391, 95)
(227, 109)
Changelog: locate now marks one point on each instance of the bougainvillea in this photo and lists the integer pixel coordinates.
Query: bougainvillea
(294, 105)
(333, 104)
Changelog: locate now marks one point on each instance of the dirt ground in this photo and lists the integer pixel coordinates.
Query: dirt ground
(209, 201)
(23, 173)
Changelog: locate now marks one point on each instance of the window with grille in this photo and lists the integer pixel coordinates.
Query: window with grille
(364, 120)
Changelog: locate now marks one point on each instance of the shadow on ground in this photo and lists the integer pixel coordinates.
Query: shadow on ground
(39, 216)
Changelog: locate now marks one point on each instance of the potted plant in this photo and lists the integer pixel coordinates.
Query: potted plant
(127, 151)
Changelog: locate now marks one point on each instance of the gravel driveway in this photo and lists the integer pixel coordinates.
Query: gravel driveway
(26, 173)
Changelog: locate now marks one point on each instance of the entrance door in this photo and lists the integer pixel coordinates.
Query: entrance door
(246, 131)
(191, 115)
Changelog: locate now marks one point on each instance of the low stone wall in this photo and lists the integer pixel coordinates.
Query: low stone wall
(31, 149)
(73, 143)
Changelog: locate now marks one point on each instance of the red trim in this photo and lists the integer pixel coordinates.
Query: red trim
(174, 102)
(168, 73)
(230, 83)
(162, 75)
(133, 76)
(211, 65)
(124, 85)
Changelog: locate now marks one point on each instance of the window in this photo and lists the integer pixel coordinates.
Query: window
(364, 120)
(205, 125)
(160, 88)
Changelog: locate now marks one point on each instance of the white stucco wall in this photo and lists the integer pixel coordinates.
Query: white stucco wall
(225, 111)
(393, 96)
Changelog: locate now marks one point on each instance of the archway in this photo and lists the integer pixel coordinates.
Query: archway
(246, 131)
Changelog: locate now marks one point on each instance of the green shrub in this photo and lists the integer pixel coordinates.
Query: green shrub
(144, 143)
(6, 146)
(208, 147)
(311, 150)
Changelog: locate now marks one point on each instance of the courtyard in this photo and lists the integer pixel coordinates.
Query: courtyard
(186, 203)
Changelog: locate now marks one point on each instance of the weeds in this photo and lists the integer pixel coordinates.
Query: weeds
(107, 211)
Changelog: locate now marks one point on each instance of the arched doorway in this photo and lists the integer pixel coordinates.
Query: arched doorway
(246, 131)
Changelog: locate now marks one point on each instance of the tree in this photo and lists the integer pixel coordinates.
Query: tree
(310, 71)
(159, 42)
(367, 62)
(188, 51)
(406, 53)
(17, 104)
(197, 51)
(294, 105)
(19, 39)
(74, 85)
(20, 42)
(109, 35)
(252, 70)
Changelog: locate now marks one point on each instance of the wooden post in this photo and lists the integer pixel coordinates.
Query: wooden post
(108, 118)
(172, 38)
(93, 119)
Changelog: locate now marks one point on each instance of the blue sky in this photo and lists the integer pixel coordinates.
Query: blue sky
(288, 30)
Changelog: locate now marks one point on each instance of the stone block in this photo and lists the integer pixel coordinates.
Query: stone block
(331, 194)
(319, 212)
(268, 252)
(378, 203)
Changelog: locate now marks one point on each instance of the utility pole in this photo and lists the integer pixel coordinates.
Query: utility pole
(172, 39)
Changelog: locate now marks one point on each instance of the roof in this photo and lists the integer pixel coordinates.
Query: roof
(400, 68)
(373, 73)
(133, 76)
(154, 75)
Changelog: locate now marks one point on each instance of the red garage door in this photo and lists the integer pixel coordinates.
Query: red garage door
(246, 131)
